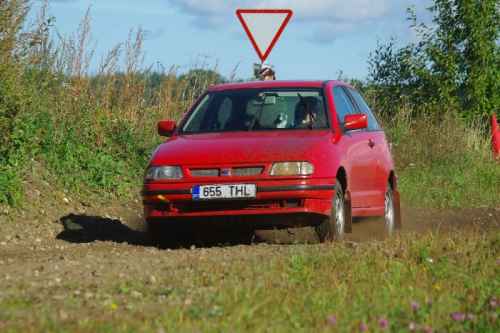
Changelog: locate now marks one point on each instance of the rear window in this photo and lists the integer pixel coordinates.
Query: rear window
(257, 110)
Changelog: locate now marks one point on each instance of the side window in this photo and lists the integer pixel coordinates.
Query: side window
(343, 104)
(364, 108)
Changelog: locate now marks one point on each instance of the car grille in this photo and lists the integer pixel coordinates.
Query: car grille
(204, 172)
(237, 172)
(253, 171)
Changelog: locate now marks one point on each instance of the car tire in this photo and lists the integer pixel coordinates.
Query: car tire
(165, 236)
(333, 228)
(392, 218)
(154, 233)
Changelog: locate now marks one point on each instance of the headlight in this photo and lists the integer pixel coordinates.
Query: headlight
(292, 169)
(163, 172)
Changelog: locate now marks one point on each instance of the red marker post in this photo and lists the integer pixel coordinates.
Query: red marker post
(264, 27)
(495, 137)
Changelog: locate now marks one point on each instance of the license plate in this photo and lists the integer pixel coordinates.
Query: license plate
(232, 191)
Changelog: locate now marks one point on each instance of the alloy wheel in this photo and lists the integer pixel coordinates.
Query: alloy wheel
(389, 214)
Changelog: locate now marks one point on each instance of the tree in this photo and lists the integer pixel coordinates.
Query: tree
(455, 63)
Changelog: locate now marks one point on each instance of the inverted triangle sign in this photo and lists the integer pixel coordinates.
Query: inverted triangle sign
(264, 27)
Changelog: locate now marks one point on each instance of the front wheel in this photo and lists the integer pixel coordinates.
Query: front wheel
(334, 227)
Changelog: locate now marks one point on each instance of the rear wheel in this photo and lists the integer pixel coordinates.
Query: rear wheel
(390, 214)
(333, 227)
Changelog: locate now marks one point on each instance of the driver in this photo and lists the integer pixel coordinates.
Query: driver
(308, 113)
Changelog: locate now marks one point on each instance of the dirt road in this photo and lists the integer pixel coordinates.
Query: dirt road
(69, 267)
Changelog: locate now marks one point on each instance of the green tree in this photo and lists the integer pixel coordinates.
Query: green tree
(455, 63)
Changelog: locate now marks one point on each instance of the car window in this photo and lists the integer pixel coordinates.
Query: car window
(197, 116)
(343, 105)
(257, 109)
(364, 108)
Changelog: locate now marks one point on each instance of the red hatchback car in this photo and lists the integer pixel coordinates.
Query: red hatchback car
(277, 154)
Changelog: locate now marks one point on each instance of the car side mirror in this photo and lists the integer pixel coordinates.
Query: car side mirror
(166, 127)
(355, 122)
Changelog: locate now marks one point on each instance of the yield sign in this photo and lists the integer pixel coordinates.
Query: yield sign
(264, 27)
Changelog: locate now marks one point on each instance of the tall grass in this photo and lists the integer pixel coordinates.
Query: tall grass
(442, 161)
(93, 131)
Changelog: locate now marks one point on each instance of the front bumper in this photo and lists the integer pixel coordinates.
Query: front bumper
(172, 200)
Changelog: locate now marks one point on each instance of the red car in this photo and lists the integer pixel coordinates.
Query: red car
(277, 154)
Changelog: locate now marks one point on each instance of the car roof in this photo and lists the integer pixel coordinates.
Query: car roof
(273, 84)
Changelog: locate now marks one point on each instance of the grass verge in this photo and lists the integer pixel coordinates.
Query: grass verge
(444, 283)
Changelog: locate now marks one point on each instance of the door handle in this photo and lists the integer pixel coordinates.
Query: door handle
(371, 143)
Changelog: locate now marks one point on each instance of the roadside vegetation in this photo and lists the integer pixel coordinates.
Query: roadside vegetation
(94, 131)
(436, 95)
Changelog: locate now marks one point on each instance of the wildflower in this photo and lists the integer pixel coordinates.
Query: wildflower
(415, 306)
(383, 323)
(427, 329)
(332, 320)
(493, 302)
(363, 327)
(412, 327)
(458, 316)
(470, 317)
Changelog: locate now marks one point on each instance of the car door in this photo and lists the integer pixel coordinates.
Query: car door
(378, 148)
(359, 157)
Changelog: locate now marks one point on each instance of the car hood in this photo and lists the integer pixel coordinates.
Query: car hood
(240, 147)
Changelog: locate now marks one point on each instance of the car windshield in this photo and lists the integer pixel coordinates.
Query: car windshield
(257, 110)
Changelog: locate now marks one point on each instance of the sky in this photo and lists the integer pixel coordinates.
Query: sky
(324, 37)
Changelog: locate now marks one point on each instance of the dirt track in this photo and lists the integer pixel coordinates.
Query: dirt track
(74, 262)
(92, 231)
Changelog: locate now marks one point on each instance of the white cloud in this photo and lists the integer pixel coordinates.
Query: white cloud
(321, 10)
(324, 18)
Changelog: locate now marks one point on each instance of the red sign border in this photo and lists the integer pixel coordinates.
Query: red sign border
(289, 14)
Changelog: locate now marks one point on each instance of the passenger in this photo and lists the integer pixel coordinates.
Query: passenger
(267, 73)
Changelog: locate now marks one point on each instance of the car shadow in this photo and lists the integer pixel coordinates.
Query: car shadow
(81, 229)
(88, 229)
